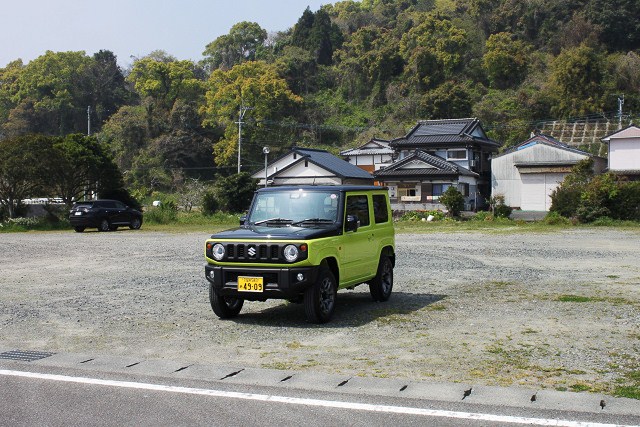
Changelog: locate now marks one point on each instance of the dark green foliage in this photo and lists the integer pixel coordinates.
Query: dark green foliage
(498, 208)
(234, 193)
(565, 199)
(209, 205)
(453, 200)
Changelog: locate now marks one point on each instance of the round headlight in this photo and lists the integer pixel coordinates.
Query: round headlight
(217, 251)
(291, 253)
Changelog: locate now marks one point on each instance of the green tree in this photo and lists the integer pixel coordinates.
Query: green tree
(619, 20)
(166, 81)
(450, 99)
(317, 34)
(453, 200)
(505, 60)
(76, 163)
(21, 175)
(53, 85)
(368, 62)
(578, 82)
(565, 199)
(255, 84)
(240, 45)
(235, 192)
(433, 49)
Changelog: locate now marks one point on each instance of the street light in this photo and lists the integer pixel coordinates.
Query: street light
(265, 151)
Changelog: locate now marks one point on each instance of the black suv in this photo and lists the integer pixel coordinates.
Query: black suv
(104, 215)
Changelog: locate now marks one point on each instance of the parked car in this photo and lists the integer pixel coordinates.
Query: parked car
(303, 244)
(104, 215)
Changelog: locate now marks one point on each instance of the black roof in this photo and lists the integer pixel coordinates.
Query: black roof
(445, 133)
(441, 167)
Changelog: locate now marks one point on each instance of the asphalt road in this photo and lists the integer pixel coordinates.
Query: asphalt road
(70, 389)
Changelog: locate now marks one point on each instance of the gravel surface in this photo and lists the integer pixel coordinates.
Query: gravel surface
(558, 310)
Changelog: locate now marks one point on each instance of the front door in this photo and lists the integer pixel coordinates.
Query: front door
(359, 248)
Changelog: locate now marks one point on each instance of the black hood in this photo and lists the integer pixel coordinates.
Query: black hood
(259, 232)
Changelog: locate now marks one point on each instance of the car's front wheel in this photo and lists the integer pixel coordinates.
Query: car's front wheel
(79, 229)
(320, 299)
(104, 225)
(223, 306)
(135, 223)
(381, 285)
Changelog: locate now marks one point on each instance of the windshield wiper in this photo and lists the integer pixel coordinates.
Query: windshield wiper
(276, 220)
(320, 220)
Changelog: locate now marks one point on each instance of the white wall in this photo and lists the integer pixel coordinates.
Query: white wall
(624, 154)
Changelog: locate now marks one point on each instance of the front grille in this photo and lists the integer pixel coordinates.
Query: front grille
(253, 252)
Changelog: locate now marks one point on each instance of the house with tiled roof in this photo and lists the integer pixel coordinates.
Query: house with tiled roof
(437, 154)
(527, 173)
(624, 152)
(310, 166)
(371, 156)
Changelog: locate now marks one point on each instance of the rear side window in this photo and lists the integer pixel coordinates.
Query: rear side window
(380, 212)
(358, 206)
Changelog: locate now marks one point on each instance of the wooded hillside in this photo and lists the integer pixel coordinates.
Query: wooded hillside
(339, 76)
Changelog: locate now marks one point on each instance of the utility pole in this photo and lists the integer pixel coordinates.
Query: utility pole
(620, 104)
(89, 120)
(241, 113)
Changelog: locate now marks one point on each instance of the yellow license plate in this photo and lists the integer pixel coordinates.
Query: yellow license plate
(250, 284)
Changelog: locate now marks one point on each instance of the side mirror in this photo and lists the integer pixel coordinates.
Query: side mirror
(352, 223)
(243, 219)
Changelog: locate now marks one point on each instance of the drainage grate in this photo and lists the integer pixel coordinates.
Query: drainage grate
(25, 356)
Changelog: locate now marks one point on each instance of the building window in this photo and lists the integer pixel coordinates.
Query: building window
(406, 192)
(456, 154)
(463, 188)
(439, 189)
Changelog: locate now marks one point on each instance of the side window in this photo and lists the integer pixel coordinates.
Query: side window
(120, 205)
(358, 206)
(380, 212)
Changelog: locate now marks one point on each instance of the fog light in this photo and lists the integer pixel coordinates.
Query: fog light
(212, 274)
(300, 277)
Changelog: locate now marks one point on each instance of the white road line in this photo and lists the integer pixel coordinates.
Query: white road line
(307, 402)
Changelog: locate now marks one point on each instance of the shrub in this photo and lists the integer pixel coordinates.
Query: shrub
(453, 200)
(498, 208)
(420, 215)
(554, 218)
(482, 216)
(164, 214)
(209, 204)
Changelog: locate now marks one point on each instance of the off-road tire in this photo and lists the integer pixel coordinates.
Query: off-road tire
(382, 285)
(320, 299)
(224, 307)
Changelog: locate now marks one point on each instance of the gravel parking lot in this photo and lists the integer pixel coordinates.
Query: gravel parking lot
(558, 310)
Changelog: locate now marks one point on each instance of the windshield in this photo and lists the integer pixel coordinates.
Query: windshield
(297, 207)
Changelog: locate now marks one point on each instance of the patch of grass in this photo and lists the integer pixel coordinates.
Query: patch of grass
(580, 387)
(630, 392)
(613, 276)
(530, 331)
(436, 307)
(574, 298)
(294, 345)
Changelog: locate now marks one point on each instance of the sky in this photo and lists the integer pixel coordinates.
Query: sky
(133, 28)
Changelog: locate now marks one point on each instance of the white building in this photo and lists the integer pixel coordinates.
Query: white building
(527, 173)
(371, 156)
(307, 166)
(624, 152)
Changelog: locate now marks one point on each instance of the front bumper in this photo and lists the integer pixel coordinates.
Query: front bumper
(279, 283)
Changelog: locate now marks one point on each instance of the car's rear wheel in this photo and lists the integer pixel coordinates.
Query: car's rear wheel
(320, 299)
(135, 223)
(224, 307)
(79, 229)
(104, 225)
(381, 285)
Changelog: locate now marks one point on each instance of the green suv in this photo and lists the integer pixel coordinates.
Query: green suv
(302, 244)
